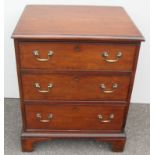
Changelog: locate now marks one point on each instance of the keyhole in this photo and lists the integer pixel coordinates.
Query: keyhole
(77, 48)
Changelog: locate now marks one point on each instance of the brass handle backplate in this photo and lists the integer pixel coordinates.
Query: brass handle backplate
(107, 91)
(102, 120)
(105, 56)
(39, 117)
(37, 56)
(38, 87)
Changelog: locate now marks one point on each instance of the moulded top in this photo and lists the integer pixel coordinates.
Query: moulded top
(76, 22)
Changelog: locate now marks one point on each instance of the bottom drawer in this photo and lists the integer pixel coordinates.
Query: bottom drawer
(74, 117)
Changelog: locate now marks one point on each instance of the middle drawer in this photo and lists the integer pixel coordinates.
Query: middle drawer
(75, 87)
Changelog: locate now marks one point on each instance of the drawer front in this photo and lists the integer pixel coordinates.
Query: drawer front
(72, 56)
(74, 117)
(75, 87)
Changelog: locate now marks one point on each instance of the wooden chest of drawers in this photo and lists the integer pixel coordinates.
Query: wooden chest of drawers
(76, 68)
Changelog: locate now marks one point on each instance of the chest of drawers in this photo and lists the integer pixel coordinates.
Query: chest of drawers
(76, 68)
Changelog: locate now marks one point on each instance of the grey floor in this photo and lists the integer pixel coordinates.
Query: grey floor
(137, 130)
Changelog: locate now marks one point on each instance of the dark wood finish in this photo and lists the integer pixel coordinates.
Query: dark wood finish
(76, 22)
(75, 87)
(78, 67)
(74, 102)
(74, 117)
(29, 139)
(19, 82)
(27, 144)
(72, 72)
(75, 56)
(116, 143)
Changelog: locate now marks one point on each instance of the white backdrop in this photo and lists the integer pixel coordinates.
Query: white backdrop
(138, 11)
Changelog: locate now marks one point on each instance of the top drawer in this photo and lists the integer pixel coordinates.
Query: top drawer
(74, 56)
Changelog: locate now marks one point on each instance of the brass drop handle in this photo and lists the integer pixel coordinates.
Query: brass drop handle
(102, 120)
(39, 117)
(107, 91)
(38, 87)
(37, 55)
(105, 56)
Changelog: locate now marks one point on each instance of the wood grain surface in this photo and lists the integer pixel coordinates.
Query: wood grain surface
(74, 117)
(78, 37)
(76, 22)
(75, 87)
(77, 56)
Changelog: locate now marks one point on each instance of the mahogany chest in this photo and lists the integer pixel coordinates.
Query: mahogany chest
(76, 67)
